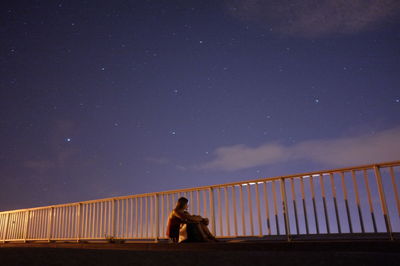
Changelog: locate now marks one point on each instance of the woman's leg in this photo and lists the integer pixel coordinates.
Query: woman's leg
(207, 232)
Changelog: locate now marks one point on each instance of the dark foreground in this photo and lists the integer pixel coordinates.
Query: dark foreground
(243, 253)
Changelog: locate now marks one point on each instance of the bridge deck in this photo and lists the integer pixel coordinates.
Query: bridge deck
(222, 253)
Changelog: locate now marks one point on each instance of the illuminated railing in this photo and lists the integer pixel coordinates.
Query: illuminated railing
(347, 202)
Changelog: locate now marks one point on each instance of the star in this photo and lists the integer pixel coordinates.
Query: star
(316, 100)
(173, 133)
(397, 100)
(68, 139)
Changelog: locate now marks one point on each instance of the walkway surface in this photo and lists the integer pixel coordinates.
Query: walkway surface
(222, 253)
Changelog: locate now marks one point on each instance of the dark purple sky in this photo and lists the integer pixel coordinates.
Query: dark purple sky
(110, 98)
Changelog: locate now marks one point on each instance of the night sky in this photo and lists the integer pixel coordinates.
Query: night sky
(110, 98)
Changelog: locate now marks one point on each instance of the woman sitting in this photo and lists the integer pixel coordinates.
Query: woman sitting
(184, 227)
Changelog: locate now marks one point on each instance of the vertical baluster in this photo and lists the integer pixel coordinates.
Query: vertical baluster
(227, 211)
(294, 205)
(346, 202)
(56, 218)
(63, 221)
(258, 211)
(321, 182)
(60, 223)
(220, 212)
(156, 213)
(89, 213)
(141, 217)
(66, 217)
(396, 191)
(71, 221)
(285, 208)
(24, 227)
(136, 218)
(34, 224)
(94, 219)
(83, 221)
(87, 220)
(242, 210)
(353, 176)
(250, 209)
(146, 216)
(16, 226)
(120, 218)
(168, 207)
(383, 201)
(313, 202)
(27, 213)
(163, 215)
(126, 231)
(78, 221)
(267, 209)
(101, 230)
(39, 227)
(14, 231)
(234, 210)
(151, 217)
(212, 210)
(303, 198)
(191, 202)
(333, 187)
(198, 202)
(371, 207)
(113, 219)
(205, 203)
(275, 207)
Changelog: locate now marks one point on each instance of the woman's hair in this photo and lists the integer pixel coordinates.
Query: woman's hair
(180, 204)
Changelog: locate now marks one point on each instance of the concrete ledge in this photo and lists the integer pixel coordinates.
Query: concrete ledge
(222, 253)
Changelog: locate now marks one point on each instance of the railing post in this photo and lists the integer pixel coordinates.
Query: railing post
(157, 222)
(6, 228)
(78, 222)
(383, 201)
(26, 225)
(212, 210)
(49, 224)
(112, 219)
(285, 209)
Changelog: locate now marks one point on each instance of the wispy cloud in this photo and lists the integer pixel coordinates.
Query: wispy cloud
(314, 18)
(61, 153)
(158, 160)
(382, 146)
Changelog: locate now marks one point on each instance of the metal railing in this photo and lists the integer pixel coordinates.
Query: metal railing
(361, 200)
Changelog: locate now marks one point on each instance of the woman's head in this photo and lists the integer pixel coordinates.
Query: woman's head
(182, 203)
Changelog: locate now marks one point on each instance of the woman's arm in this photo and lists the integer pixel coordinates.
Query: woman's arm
(187, 217)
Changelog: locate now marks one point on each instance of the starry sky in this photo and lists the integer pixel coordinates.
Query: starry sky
(112, 98)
